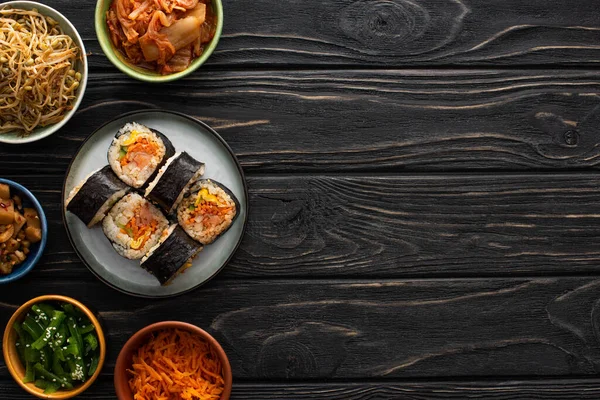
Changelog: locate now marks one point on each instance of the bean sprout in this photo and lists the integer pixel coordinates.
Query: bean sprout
(38, 71)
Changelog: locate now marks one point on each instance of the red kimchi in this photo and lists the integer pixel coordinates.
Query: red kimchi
(162, 35)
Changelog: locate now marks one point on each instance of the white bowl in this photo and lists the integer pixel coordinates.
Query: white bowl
(69, 29)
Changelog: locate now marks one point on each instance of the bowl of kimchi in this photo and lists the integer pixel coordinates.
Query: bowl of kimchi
(158, 40)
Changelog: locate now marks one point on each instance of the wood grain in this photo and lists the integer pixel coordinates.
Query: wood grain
(298, 330)
(394, 120)
(398, 226)
(391, 33)
(393, 226)
(403, 221)
(565, 389)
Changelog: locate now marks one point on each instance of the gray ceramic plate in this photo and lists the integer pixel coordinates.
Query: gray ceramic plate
(202, 143)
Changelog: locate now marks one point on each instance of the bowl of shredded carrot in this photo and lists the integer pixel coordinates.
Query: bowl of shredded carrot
(172, 360)
(158, 40)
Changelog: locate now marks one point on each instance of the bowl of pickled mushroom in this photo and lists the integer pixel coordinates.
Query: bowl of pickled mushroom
(43, 71)
(158, 40)
(23, 231)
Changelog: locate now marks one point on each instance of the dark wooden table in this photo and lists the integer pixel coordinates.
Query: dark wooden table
(424, 199)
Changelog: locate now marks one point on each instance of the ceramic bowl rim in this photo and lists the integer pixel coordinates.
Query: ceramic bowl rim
(111, 53)
(20, 270)
(10, 362)
(49, 130)
(136, 339)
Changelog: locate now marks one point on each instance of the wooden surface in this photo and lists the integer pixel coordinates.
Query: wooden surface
(271, 33)
(503, 390)
(377, 120)
(394, 226)
(344, 329)
(424, 200)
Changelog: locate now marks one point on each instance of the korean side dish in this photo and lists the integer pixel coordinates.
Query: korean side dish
(152, 202)
(20, 227)
(161, 35)
(38, 71)
(58, 345)
(176, 364)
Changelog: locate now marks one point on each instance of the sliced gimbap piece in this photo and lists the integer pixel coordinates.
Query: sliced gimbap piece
(134, 226)
(208, 211)
(173, 181)
(172, 255)
(137, 153)
(93, 197)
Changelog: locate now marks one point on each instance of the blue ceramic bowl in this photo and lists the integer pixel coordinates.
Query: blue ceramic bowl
(36, 250)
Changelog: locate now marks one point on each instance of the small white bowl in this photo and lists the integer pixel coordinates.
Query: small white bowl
(69, 29)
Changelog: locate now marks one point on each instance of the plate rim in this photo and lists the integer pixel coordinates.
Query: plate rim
(227, 147)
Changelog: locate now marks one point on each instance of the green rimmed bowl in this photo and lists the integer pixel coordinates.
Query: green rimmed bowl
(142, 74)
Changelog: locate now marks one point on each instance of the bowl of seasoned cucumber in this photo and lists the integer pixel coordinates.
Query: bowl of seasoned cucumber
(54, 347)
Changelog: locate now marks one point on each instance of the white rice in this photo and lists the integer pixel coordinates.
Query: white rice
(120, 215)
(197, 230)
(111, 201)
(131, 174)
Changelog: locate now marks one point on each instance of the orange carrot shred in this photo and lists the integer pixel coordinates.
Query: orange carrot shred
(176, 364)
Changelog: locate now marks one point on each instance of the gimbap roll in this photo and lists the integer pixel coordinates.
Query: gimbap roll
(208, 211)
(93, 197)
(173, 254)
(173, 180)
(137, 153)
(134, 226)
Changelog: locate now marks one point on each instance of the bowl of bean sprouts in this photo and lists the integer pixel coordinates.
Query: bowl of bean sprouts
(43, 71)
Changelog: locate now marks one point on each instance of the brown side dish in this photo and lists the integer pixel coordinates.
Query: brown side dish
(161, 35)
(38, 71)
(19, 228)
